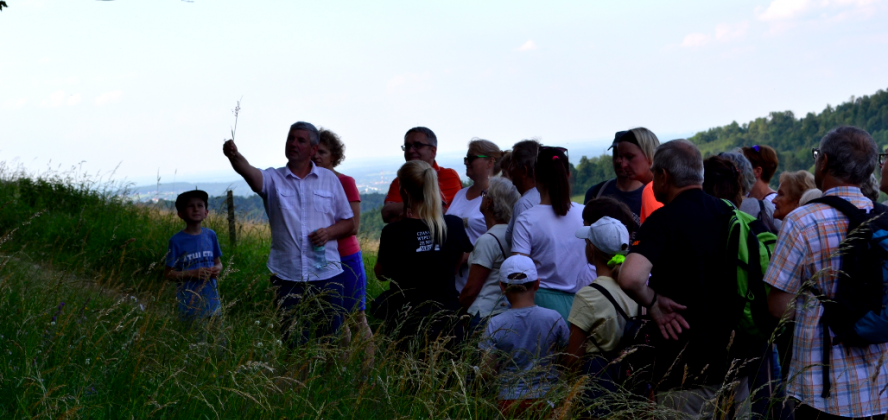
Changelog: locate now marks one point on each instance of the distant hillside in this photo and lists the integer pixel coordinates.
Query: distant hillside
(792, 137)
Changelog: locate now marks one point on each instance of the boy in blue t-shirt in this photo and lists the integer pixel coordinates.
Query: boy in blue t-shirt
(194, 260)
(529, 336)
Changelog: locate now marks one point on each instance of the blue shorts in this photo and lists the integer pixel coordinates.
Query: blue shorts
(354, 282)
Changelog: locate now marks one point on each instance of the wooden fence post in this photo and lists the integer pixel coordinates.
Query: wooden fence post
(232, 226)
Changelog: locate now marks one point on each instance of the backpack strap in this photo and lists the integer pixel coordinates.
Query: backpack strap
(854, 214)
(603, 186)
(610, 297)
(503, 250)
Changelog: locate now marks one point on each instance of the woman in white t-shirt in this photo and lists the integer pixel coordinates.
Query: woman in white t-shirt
(480, 162)
(482, 296)
(545, 233)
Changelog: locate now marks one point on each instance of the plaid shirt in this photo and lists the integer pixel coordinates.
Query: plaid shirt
(808, 239)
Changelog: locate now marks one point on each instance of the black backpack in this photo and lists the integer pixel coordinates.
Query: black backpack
(631, 361)
(857, 314)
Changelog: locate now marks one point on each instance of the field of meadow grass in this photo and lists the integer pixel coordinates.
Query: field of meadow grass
(89, 329)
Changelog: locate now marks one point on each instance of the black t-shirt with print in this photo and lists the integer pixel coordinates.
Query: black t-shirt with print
(686, 242)
(421, 267)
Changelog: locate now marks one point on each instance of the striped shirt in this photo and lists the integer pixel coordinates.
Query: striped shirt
(808, 240)
(296, 207)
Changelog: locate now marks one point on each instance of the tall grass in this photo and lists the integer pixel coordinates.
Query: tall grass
(89, 329)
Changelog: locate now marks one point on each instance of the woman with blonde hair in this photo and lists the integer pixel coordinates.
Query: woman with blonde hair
(792, 186)
(480, 163)
(419, 255)
(633, 155)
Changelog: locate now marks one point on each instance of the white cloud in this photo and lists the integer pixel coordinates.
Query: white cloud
(55, 100)
(784, 10)
(108, 97)
(74, 99)
(528, 46)
(723, 32)
(17, 103)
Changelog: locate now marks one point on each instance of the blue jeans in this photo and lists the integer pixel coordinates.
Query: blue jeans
(354, 282)
(308, 307)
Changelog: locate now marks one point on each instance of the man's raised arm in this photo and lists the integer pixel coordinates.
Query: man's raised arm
(251, 174)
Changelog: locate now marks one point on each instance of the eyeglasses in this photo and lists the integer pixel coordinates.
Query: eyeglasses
(414, 146)
(469, 159)
(816, 153)
(882, 158)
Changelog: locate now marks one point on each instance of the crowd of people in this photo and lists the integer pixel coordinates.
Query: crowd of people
(552, 287)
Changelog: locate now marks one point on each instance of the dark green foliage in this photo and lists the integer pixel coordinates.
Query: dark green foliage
(792, 137)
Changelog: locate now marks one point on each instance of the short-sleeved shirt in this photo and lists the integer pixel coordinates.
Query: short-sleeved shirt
(807, 244)
(296, 207)
(421, 267)
(448, 183)
(470, 213)
(528, 339)
(349, 246)
(632, 199)
(686, 242)
(529, 199)
(649, 202)
(593, 313)
(550, 241)
(491, 250)
(197, 299)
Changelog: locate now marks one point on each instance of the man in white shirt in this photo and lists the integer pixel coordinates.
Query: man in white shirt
(307, 209)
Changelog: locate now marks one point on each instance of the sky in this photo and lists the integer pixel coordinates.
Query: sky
(148, 87)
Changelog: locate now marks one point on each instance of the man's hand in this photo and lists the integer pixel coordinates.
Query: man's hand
(229, 149)
(665, 314)
(319, 237)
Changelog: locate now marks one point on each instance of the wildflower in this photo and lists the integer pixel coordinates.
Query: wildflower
(52, 323)
(258, 322)
(87, 361)
(259, 344)
(278, 342)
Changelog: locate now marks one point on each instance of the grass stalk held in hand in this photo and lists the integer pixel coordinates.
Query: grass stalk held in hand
(235, 111)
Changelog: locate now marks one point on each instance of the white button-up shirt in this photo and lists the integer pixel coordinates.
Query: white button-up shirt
(296, 207)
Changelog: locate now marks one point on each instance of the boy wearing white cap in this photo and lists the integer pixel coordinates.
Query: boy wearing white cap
(527, 336)
(600, 311)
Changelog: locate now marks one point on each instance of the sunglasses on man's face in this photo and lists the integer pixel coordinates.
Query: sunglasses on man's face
(414, 146)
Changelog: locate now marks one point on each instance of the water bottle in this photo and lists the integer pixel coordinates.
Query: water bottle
(320, 252)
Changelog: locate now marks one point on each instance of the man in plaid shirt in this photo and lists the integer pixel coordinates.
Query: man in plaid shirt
(807, 244)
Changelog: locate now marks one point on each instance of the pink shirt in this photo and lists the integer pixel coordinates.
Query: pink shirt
(349, 246)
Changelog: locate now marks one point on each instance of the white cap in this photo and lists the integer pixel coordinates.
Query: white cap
(607, 234)
(518, 264)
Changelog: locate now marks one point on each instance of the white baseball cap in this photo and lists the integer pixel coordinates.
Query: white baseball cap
(518, 264)
(607, 234)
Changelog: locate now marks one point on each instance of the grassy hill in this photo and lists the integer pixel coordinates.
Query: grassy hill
(791, 136)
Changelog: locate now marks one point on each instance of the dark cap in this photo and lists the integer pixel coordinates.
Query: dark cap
(622, 136)
(182, 199)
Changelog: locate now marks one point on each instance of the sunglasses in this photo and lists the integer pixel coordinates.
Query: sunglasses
(469, 159)
(816, 153)
(560, 149)
(757, 148)
(414, 146)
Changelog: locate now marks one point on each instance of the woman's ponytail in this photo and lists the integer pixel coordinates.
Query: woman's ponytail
(552, 171)
(420, 182)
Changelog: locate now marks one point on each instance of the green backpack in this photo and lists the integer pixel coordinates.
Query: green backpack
(753, 245)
